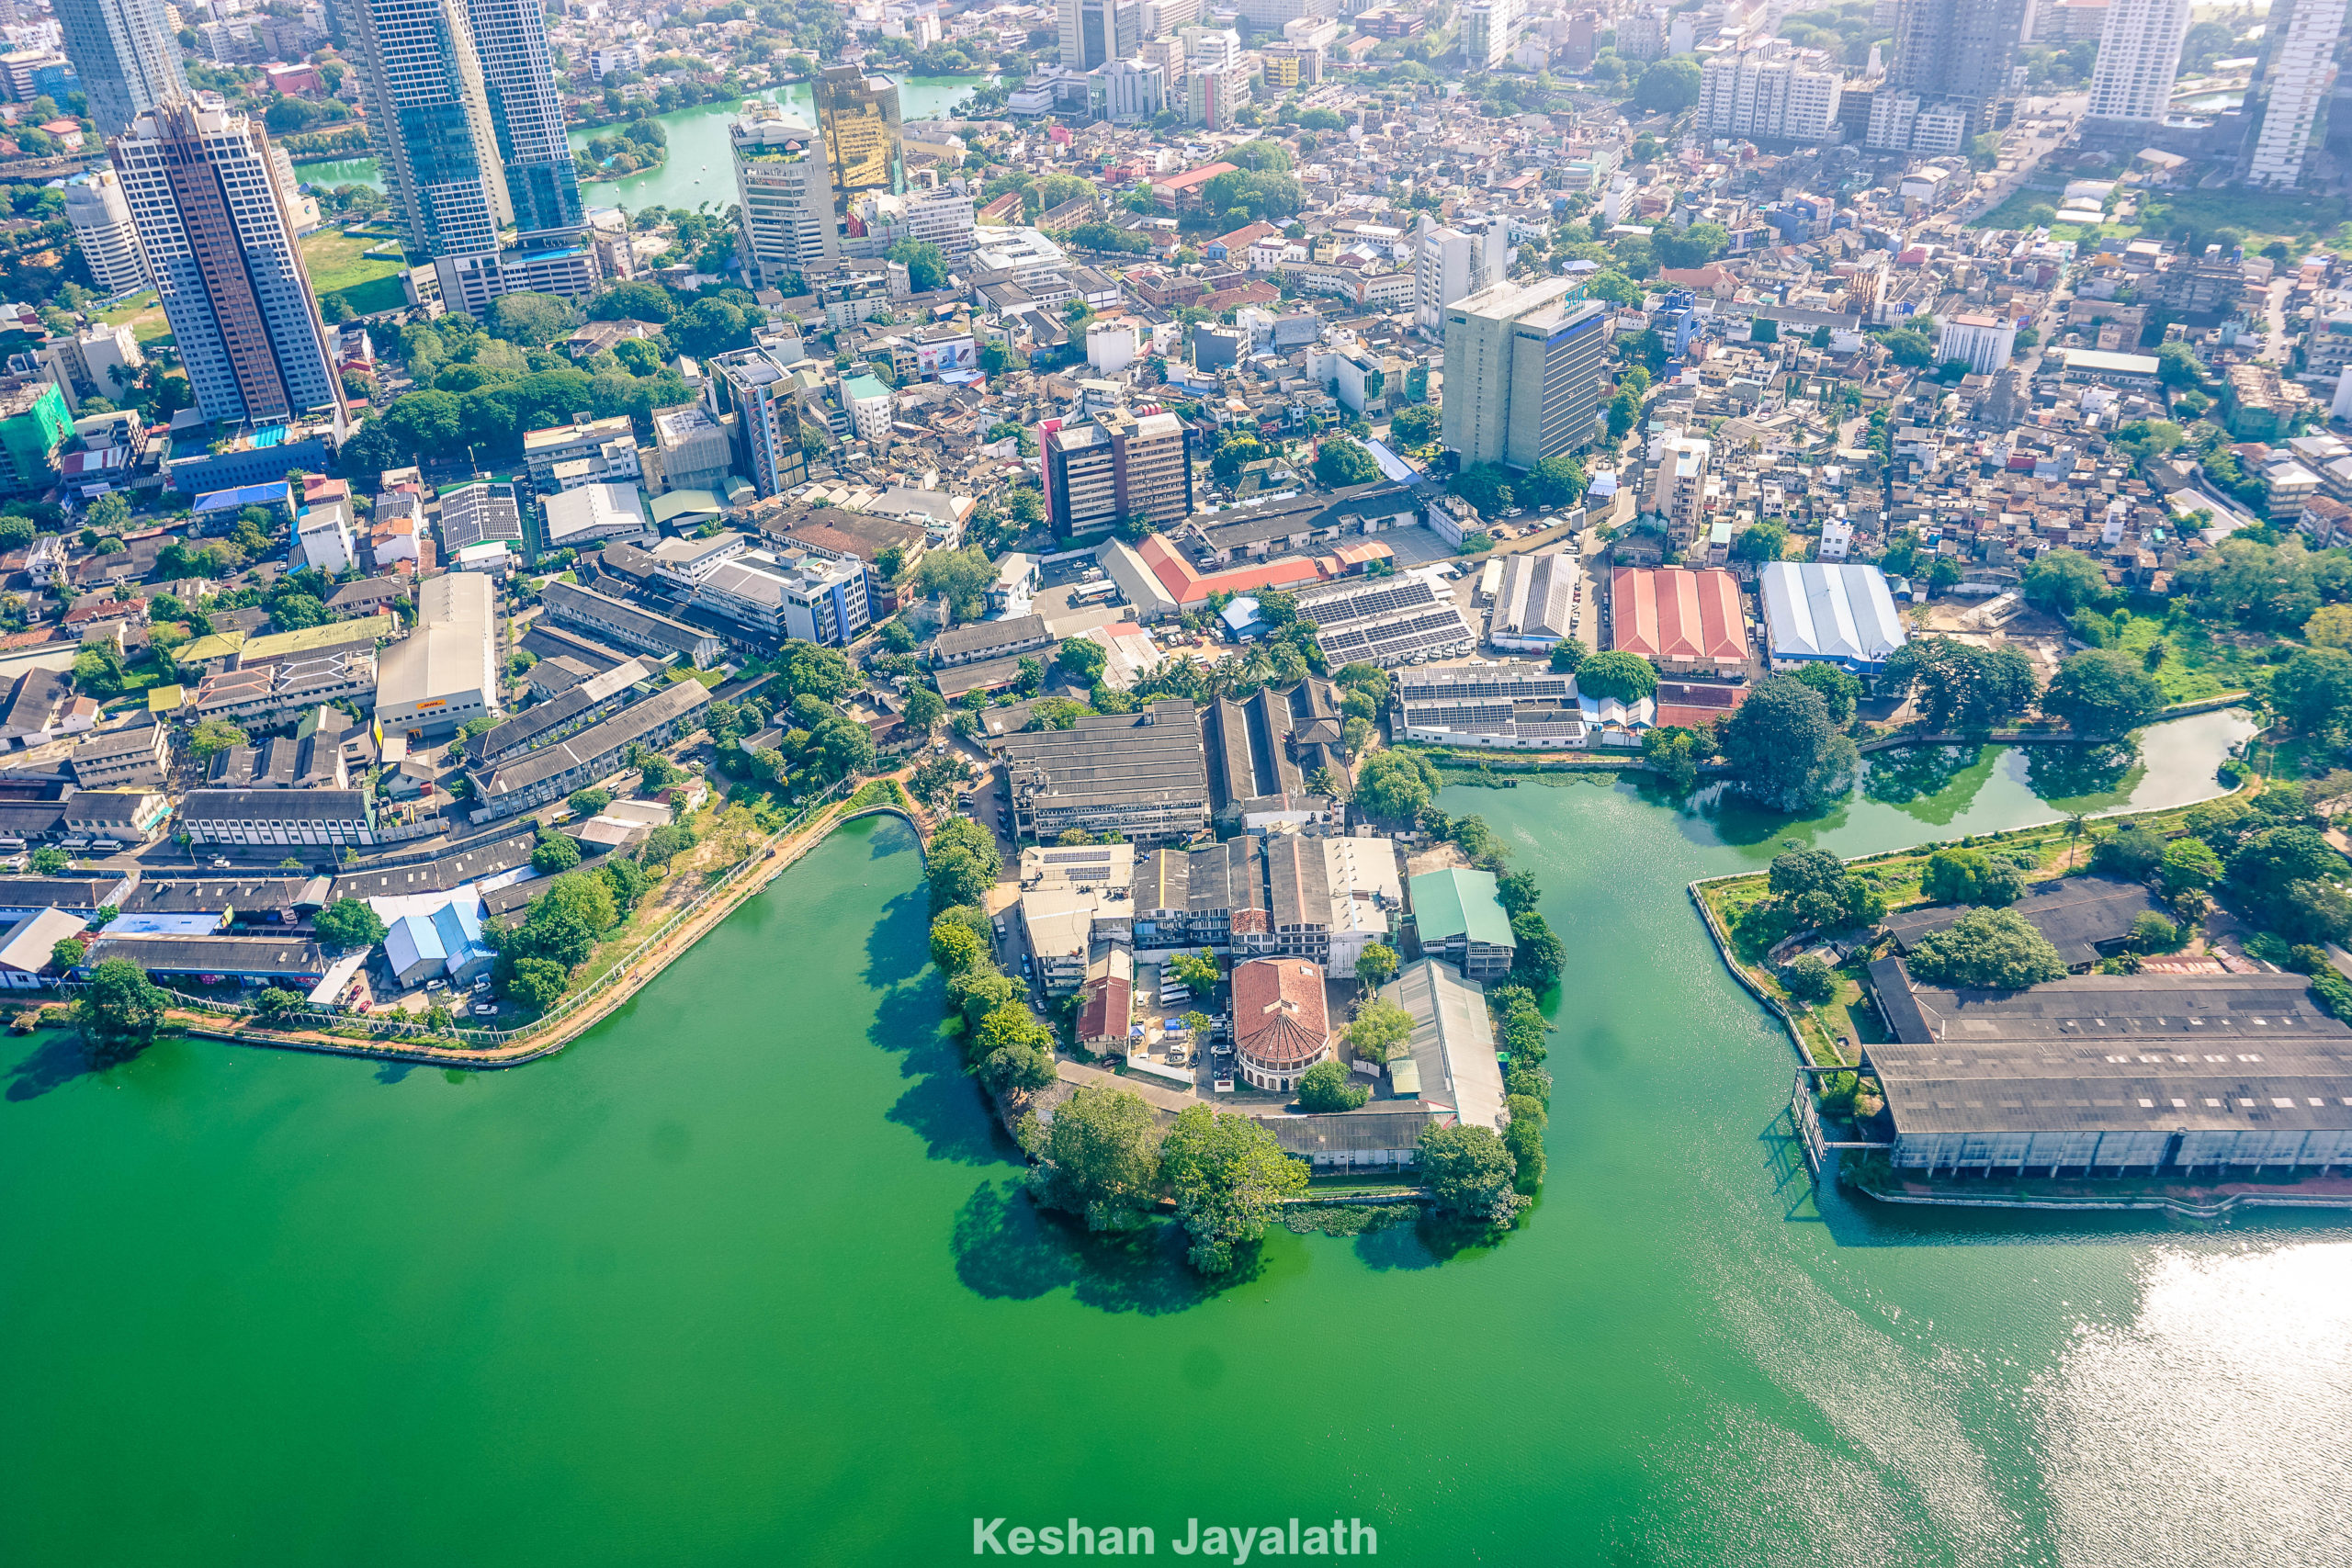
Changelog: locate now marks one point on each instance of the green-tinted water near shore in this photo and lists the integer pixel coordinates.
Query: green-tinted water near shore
(741, 1278)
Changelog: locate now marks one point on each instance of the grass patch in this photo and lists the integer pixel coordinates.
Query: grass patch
(368, 298)
(2197, 665)
(338, 262)
(144, 314)
(712, 679)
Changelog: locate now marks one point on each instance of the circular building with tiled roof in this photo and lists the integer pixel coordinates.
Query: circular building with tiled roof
(1281, 1025)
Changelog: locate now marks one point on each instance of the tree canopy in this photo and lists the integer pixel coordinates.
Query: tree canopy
(1471, 1173)
(1100, 1158)
(1987, 950)
(1628, 677)
(117, 1011)
(2103, 690)
(1226, 1173)
(1784, 750)
(1397, 785)
(1959, 685)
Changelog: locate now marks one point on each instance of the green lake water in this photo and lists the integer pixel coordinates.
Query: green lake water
(742, 1278)
(697, 169)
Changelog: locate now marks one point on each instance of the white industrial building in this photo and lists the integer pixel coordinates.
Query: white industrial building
(446, 671)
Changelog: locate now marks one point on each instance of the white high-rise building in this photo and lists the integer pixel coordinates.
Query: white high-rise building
(786, 193)
(2298, 74)
(1488, 30)
(1451, 266)
(103, 231)
(2139, 54)
(213, 226)
(1770, 93)
(1982, 343)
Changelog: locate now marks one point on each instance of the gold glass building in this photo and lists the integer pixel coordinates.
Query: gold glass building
(858, 116)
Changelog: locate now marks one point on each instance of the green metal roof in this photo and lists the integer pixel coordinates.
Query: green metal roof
(1458, 901)
(679, 504)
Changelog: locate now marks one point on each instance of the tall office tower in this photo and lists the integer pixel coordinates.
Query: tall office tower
(124, 52)
(1768, 91)
(1123, 465)
(212, 221)
(858, 116)
(1960, 53)
(426, 95)
(2294, 77)
(542, 182)
(1095, 32)
(1523, 372)
(103, 231)
(1450, 265)
(2139, 55)
(755, 387)
(787, 194)
(1490, 30)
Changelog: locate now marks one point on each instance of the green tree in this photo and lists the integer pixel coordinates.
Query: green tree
(1486, 486)
(1415, 426)
(2189, 865)
(1328, 1087)
(1669, 86)
(533, 321)
(1841, 690)
(1970, 876)
(2132, 853)
(2313, 690)
(2061, 581)
(118, 1011)
(1760, 542)
(1987, 950)
(1628, 677)
(1378, 1029)
(1083, 659)
(1673, 753)
(1959, 683)
(1343, 461)
(1100, 1158)
(534, 983)
(347, 923)
(588, 802)
(1568, 655)
(212, 736)
(1228, 1174)
(1376, 965)
(1195, 972)
(925, 708)
(2103, 690)
(926, 265)
(1471, 1173)
(48, 860)
(1782, 749)
(555, 854)
(964, 863)
(1397, 785)
(1539, 956)
(1556, 480)
(963, 576)
(66, 954)
(1810, 980)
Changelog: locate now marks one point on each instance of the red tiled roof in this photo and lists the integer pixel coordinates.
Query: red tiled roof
(1279, 1018)
(1193, 177)
(1672, 613)
(1104, 1014)
(1185, 584)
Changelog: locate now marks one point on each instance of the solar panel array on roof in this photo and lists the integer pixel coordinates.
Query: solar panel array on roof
(480, 514)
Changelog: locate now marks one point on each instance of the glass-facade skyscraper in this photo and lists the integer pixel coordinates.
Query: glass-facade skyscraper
(126, 56)
(464, 91)
(857, 115)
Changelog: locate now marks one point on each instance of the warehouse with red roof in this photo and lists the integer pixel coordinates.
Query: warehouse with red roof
(1684, 622)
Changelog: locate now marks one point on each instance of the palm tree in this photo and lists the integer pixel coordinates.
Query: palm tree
(2073, 836)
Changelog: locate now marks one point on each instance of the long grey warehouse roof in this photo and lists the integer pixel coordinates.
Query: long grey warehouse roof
(2077, 915)
(1111, 758)
(274, 805)
(287, 955)
(2146, 1053)
(629, 724)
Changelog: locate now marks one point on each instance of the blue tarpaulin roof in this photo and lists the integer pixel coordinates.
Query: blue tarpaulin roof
(242, 496)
